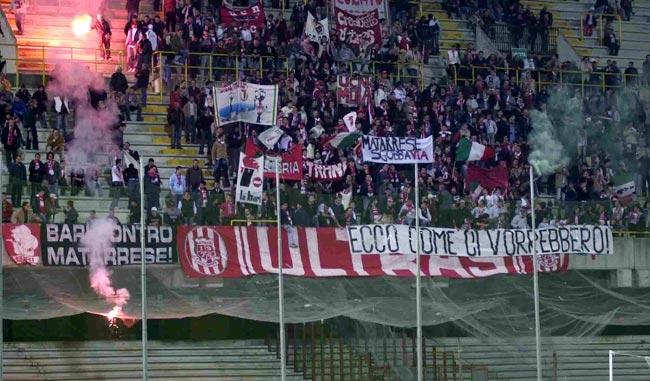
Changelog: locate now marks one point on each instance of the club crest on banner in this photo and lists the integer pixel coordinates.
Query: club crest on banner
(23, 244)
(206, 250)
(548, 262)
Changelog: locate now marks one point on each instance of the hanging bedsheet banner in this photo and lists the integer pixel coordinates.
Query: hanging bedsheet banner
(329, 252)
(246, 102)
(57, 245)
(236, 17)
(393, 150)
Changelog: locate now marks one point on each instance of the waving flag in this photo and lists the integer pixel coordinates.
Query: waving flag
(472, 151)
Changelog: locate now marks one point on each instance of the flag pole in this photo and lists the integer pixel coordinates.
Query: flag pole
(418, 277)
(538, 340)
(143, 277)
(283, 369)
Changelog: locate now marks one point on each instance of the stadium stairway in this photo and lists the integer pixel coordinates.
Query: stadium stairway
(48, 35)
(151, 139)
(568, 13)
(452, 31)
(121, 360)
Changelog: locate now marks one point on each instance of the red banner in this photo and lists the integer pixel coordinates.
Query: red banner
(354, 91)
(23, 243)
(488, 178)
(234, 252)
(236, 17)
(291, 161)
(361, 30)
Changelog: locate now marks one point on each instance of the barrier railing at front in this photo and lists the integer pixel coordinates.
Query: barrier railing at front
(230, 67)
(37, 59)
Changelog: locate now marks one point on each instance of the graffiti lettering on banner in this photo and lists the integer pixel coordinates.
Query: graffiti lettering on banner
(353, 91)
(328, 172)
(291, 165)
(61, 247)
(390, 239)
(253, 15)
(391, 150)
(359, 7)
(234, 252)
(361, 30)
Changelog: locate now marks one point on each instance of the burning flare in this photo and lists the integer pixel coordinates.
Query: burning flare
(81, 24)
(98, 240)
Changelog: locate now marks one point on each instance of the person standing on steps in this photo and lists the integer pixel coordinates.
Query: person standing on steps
(175, 121)
(19, 8)
(131, 42)
(117, 183)
(132, 7)
(142, 83)
(17, 180)
(103, 29)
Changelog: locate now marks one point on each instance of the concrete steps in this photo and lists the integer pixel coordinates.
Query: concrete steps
(452, 31)
(105, 360)
(48, 36)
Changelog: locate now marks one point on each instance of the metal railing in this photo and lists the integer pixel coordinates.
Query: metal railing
(41, 59)
(506, 37)
(543, 78)
(601, 26)
(231, 67)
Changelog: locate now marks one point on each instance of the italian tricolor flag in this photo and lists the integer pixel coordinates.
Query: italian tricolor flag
(472, 151)
(345, 140)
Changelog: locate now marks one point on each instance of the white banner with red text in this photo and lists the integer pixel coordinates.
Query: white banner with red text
(232, 252)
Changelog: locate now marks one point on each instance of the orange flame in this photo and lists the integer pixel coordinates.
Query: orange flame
(113, 315)
(81, 24)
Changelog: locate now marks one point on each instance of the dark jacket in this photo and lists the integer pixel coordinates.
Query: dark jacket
(175, 117)
(36, 175)
(194, 177)
(4, 137)
(17, 173)
(119, 82)
(41, 100)
(142, 79)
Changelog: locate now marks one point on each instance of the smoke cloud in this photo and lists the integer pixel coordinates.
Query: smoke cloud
(98, 239)
(555, 132)
(93, 126)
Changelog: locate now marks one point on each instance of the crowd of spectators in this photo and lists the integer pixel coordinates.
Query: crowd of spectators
(490, 105)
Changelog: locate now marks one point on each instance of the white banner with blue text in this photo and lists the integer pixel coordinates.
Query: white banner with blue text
(393, 150)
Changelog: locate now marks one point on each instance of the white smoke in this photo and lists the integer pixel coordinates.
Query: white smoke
(98, 240)
(93, 128)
